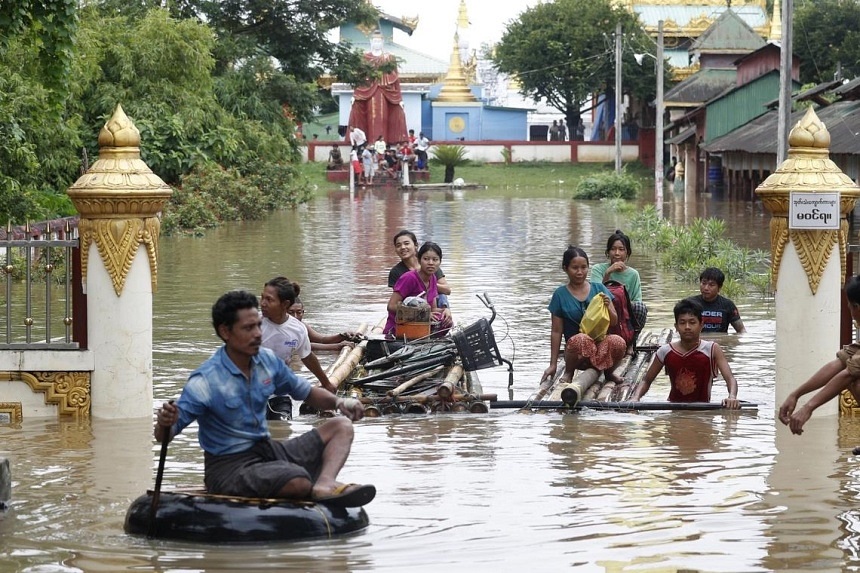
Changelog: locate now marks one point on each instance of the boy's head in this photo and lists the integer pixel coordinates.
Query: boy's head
(710, 282)
(688, 318)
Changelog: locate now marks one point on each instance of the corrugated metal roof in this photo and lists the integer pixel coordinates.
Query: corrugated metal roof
(759, 135)
(701, 87)
(754, 16)
(682, 137)
(728, 34)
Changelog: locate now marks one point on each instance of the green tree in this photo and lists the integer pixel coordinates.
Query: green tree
(563, 51)
(826, 37)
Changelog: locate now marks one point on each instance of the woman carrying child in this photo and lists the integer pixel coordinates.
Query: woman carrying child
(421, 283)
(567, 307)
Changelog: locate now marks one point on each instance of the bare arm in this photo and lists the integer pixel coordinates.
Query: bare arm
(313, 364)
(555, 336)
(816, 381)
(731, 402)
(739, 327)
(613, 314)
(830, 390)
(442, 286)
(394, 301)
(645, 384)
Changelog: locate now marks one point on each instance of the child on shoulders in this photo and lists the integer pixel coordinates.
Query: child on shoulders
(691, 362)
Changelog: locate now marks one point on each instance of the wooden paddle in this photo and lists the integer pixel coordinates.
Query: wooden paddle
(165, 439)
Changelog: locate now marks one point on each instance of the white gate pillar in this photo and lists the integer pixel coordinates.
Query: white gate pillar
(119, 199)
(808, 264)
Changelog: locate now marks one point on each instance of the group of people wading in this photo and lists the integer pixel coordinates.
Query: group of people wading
(690, 362)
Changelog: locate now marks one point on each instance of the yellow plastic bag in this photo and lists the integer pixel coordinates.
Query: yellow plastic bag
(595, 321)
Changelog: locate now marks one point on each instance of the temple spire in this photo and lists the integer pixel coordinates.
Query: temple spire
(455, 88)
(776, 23)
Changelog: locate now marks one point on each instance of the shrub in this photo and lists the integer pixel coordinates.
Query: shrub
(608, 185)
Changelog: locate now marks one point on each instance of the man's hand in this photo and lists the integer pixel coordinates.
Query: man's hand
(167, 414)
(351, 408)
(798, 419)
(731, 403)
(787, 409)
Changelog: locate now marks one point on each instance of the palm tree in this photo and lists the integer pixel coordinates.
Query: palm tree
(450, 156)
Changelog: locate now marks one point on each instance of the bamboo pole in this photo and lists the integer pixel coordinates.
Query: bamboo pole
(349, 363)
(413, 381)
(426, 399)
(447, 388)
(575, 390)
(344, 352)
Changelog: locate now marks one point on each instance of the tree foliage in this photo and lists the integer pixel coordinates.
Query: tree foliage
(211, 85)
(827, 36)
(563, 51)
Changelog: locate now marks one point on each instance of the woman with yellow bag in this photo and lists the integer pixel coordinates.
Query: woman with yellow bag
(582, 312)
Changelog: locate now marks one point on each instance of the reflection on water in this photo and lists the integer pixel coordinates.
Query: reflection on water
(592, 491)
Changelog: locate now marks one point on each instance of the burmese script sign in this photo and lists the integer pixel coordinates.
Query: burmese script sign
(813, 211)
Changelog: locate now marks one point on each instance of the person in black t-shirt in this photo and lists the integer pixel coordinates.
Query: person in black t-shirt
(718, 312)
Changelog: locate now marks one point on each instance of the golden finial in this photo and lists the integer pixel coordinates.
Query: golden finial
(119, 131)
(809, 132)
(462, 17)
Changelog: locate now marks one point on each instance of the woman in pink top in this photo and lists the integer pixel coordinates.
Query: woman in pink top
(421, 282)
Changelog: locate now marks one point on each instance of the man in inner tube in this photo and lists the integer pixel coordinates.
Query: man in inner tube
(227, 395)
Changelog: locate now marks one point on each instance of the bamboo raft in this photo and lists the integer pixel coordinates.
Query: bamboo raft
(417, 377)
(590, 386)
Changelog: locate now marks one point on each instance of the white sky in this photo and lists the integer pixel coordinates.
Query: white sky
(438, 21)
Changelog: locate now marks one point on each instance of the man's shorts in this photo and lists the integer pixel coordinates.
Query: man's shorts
(265, 468)
(850, 357)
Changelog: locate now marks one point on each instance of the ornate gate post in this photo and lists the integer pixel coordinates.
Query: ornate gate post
(808, 268)
(119, 199)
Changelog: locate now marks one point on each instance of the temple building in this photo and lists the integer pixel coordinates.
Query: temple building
(441, 99)
(685, 22)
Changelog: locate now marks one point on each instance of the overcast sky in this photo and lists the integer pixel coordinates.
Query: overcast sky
(438, 20)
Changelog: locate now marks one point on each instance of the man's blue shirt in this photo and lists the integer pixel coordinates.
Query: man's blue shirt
(229, 408)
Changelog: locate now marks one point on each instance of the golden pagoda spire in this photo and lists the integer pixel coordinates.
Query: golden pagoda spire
(775, 23)
(455, 88)
(462, 17)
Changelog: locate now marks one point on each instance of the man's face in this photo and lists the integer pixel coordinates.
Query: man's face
(246, 335)
(709, 289)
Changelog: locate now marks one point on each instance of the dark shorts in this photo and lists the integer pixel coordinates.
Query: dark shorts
(850, 357)
(264, 469)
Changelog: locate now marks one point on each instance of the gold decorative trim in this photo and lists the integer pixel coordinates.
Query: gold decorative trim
(813, 249)
(778, 240)
(117, 241)
(119, 200)
(69, 391)
(13, 411)
(848, 405)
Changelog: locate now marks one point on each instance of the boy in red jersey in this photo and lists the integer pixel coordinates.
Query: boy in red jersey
(690, 362)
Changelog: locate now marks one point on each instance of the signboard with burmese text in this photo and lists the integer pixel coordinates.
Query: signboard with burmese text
(809, 211)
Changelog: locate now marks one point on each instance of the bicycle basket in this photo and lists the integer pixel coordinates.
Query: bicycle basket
(477, 346)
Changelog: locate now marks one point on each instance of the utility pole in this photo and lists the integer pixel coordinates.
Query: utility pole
(658, 125)
(784, 125)
(618, 97)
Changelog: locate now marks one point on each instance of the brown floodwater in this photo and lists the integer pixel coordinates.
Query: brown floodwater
(505, 491)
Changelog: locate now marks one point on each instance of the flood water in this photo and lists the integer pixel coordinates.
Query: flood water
(505, 491)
